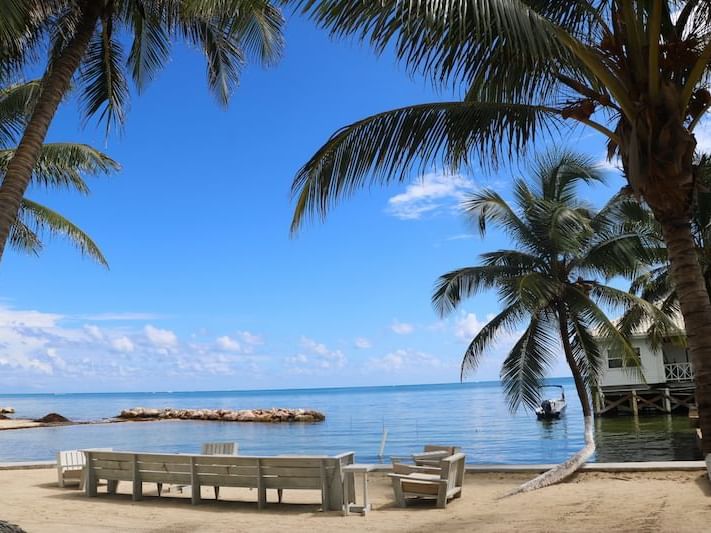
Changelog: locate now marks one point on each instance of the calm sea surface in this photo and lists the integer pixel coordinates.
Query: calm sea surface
(471, 415)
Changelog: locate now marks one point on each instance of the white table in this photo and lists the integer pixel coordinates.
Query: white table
(349, 472)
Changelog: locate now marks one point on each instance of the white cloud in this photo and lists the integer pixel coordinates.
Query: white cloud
(405, 359)
(467, 326)
(100, 317)
(362, 343)
(460, 237)
(94, 331)
(228, 344)
(610, 166)
(315, 357)
(402, 328)
(123, 344)
(433, 192)
(250, 338)
(703, 135)
(164, 339)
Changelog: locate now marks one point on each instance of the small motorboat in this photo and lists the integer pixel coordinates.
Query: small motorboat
(552, 407)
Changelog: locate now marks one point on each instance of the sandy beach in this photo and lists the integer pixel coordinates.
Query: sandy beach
(591, 501)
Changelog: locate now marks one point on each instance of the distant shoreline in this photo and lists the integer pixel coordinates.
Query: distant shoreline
(411, 386)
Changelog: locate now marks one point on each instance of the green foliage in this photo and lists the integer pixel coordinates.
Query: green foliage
(60, 166)
(562, 249)
(227, 32)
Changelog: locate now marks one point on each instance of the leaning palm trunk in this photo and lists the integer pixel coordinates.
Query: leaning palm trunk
(696, 309)
(54, 87)
(566, 469)
(563, 470)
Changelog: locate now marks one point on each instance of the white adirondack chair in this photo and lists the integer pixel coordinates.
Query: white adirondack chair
(211, 448)
(219, 448)
(440, 483)
(70, 467)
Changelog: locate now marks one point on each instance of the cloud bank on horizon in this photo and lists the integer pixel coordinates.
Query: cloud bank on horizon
(52, 352)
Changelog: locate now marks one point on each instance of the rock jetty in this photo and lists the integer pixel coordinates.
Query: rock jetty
(7, 410)
(224, 415)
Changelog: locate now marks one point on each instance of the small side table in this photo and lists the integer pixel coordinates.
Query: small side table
(349, 472)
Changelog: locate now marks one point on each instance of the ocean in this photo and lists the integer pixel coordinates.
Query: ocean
(471, 415)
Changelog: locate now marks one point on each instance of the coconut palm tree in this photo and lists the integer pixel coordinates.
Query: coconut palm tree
(549, 280)
(635, 71)
(84, 44)
(59, 166)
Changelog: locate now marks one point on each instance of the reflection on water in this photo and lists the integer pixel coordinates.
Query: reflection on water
(471, 415)
(652, 438)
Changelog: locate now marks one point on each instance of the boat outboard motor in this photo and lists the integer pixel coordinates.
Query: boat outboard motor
(547, 407)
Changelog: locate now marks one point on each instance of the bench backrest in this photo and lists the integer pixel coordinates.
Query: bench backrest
(219, 448)
(308, 472)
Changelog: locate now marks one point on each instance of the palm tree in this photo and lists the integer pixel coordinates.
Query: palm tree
(635, 71)
(84, 39)
(59, 166)
(655, 283)
(549, 280)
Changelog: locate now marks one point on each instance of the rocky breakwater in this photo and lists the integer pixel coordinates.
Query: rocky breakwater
(7, 410)
(223, 415)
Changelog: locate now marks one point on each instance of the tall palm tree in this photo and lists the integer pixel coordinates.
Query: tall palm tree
(635, 71)
(84, 42)
(549, 280)
(59, 166)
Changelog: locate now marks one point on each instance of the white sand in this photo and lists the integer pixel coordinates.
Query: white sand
(634, 502)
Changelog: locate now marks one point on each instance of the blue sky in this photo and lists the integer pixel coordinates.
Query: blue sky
(206, 289)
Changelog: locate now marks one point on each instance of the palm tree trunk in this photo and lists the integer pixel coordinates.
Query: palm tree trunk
(696, 309)
(570, 466)
(54, 86)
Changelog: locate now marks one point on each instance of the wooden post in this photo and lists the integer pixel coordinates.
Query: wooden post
(633, 403)
(325, 504)
(667, 401)
(194, 483)
(596, 400)
(90, 487)
(261, 489)
(137, 483)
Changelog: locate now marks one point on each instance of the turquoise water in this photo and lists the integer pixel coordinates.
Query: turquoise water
(471, 415)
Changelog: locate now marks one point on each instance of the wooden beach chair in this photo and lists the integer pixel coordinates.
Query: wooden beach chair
(431, 455)
(220, 448)
(70, 467)
(440, 483)
(211, 448)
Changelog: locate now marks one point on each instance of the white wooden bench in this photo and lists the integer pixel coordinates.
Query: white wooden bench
(322, 473)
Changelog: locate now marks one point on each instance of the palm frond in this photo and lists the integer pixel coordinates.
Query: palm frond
(451, 288)
(35, 219)
(61, 165)
(505, 322)
(16, 103)
(389, 146)
(40, 219)
(150, 47)
(527, 364)
(105, 88)
(451, 38)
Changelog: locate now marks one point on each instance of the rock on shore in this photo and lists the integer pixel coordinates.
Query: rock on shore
(7, 410)
(225, 415)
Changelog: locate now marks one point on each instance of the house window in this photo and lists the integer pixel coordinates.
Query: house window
(615, 360)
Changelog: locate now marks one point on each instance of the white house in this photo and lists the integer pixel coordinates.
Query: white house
(663, 382)
(664, 364)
